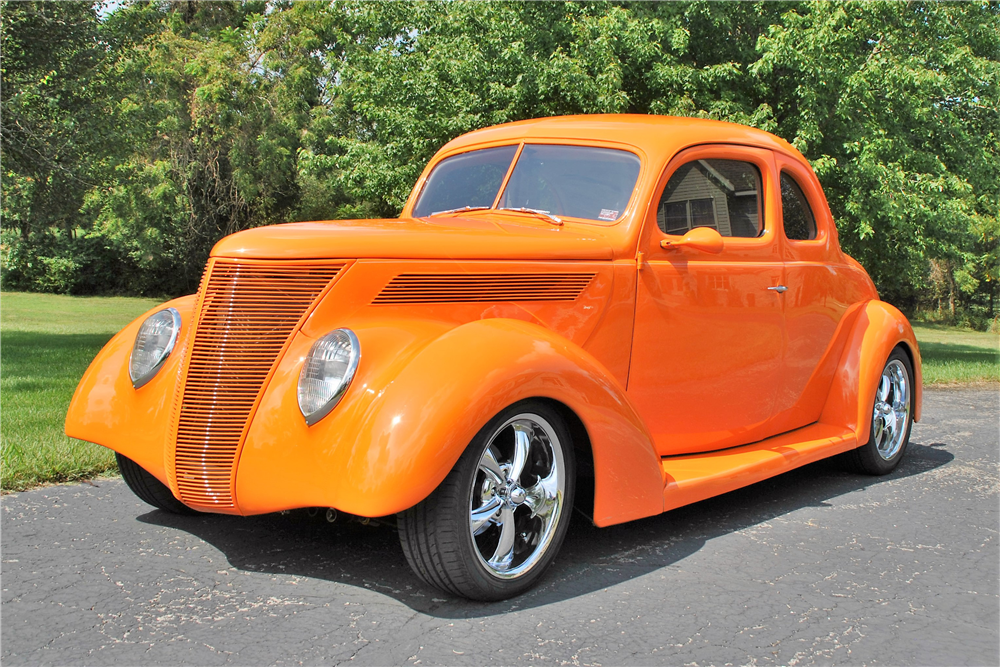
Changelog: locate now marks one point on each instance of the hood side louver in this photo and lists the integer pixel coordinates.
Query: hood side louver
(416, 288)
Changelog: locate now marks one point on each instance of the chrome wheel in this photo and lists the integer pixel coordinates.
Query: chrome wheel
(891, 416)
(517, 495)
(495, 523)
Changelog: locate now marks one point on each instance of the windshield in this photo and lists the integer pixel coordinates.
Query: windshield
(470, 179)
(573, 181)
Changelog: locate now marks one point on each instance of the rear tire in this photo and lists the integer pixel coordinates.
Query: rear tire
(493, 526)
(892, 419)
(148, 488)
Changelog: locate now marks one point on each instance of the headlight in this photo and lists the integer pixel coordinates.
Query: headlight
(327, 371)
(153, 344)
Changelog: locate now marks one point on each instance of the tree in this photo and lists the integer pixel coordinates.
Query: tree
(215, 106)
(898, 107)
(53, 96)
(135, 141)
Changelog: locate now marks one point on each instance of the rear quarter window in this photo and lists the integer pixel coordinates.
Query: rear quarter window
(798, 218)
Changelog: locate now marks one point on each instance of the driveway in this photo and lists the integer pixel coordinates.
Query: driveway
(815, 566)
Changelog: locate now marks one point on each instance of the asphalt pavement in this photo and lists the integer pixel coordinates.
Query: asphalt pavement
(815, 566)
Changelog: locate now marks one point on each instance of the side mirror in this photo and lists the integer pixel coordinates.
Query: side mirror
(705, 239)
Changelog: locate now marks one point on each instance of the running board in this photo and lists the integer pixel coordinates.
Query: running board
(695, 477)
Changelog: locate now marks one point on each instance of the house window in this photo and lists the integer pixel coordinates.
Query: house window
(675, 217)
(703, 213)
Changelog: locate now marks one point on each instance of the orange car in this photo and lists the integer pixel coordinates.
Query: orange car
(653, 309)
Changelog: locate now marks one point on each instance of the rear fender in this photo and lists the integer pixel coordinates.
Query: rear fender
(107, 410)
(397, 435)
(879, 328)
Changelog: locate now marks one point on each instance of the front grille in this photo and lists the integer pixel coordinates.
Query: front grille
(247, 312)
(466, 287)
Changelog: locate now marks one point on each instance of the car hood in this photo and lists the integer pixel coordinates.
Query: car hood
(474, 237)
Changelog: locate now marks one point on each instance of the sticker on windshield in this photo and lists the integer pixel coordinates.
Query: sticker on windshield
(608, 214)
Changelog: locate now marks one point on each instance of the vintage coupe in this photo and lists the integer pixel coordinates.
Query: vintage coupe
(653, 309)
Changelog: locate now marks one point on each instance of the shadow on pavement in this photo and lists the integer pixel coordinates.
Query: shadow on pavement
(590, 559)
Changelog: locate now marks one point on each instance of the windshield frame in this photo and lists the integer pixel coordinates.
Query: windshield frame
(536, 141)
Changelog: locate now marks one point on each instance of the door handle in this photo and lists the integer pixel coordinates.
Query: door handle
(779, 288)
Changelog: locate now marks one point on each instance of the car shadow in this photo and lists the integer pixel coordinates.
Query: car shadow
(943, 353)
(302, 543)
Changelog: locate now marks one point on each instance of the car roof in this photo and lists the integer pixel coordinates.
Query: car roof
(654, 135)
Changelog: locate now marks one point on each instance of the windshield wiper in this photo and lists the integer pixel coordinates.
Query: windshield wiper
(460, 209)
(545, 215)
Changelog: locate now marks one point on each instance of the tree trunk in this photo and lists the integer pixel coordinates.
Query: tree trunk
(951, 292)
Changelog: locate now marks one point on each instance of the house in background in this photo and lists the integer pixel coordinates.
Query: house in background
(721, 194)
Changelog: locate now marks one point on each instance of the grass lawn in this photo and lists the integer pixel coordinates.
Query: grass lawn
(48, 340)
(957, 356)
(46, 343)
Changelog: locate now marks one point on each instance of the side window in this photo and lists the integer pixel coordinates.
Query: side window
(722, 194)
(800, 225)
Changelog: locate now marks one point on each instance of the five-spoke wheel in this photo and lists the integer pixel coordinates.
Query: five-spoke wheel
(492, 527)
(892, 416)
(517, 497)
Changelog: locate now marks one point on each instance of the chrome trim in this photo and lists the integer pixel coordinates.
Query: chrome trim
(515, 524)
(460, 209)
(547, 215)
(151, 373)
(891, 414)
(344, 384)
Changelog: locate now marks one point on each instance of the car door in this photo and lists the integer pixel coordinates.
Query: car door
(819, 293)
(708, 336)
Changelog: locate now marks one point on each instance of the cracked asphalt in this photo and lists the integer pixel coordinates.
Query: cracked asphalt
(815, 566)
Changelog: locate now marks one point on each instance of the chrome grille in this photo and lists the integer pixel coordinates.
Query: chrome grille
(248, 310)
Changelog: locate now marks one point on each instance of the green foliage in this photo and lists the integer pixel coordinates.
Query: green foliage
(135, 141)
(53, 93)
(900, 106)
(214, 108)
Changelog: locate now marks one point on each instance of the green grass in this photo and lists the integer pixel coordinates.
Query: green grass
(46, 343)
(957, 356)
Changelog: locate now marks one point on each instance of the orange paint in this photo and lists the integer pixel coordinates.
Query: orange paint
(660, 348)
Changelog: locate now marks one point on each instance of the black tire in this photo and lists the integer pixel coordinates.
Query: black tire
(437, 534)
(148, 488)
(867, 458)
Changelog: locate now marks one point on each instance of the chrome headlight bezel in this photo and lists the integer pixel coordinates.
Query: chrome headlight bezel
(140, 376)
(309, 366)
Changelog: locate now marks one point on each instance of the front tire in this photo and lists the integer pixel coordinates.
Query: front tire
(493, 526)
(148, 488)
(892, 419)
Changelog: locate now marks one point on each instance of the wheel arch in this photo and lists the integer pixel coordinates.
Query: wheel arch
(107, 410)
(879, 329)
(582, 451)
(905, 346)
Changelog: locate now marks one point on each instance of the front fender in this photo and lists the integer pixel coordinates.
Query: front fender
(107, 410)
(879, 328)
(398, 434)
